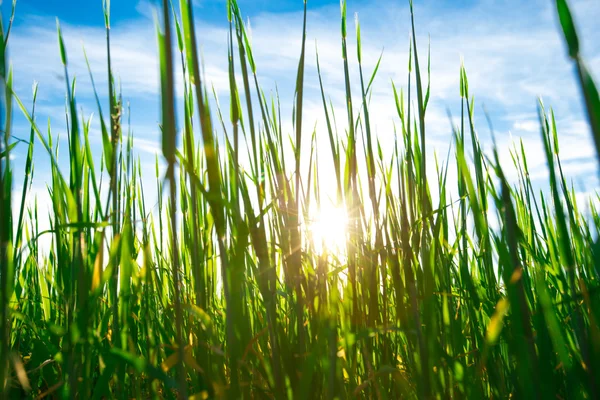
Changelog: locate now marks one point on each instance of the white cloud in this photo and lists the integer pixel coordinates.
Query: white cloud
(527, 126)
(513, 52)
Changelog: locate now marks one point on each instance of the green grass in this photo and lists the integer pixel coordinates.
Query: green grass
(221, 292)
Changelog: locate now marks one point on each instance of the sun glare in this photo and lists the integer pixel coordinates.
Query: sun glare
(328, 230)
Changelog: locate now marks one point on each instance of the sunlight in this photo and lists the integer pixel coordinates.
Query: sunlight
(328, 229)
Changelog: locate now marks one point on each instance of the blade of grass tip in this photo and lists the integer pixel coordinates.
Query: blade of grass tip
(332, 139)
(460, 144)
(89, 163)
(351, 133)
(374, 73)
(408, 137)
(169, 144)
(206, 123)
(351, 182)
(74, 123)
(369, 143)
(284, 186)
(235, 111)
(47, 146)
(588, 87)
(28, 178)
(370, 158)
(421, 110)
(299, 94)
(247, 94)
(106, 140)
(479, 161)
(296, 232)
(428, 90)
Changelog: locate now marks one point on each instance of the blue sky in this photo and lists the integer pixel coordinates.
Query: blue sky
(512, 50)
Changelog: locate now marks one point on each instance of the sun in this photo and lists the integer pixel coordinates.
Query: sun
(328, 228)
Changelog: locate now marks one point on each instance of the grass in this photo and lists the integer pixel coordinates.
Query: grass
(222, 293)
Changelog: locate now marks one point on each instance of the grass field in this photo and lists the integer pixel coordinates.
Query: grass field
(246, 283)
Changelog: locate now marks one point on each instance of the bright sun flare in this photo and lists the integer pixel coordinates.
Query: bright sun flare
(328, 229)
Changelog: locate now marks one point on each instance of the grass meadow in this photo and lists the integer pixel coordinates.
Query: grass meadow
(227, 290)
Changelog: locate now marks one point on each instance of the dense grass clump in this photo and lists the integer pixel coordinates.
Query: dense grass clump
(223, 291)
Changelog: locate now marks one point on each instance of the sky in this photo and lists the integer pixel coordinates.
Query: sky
(513, 52)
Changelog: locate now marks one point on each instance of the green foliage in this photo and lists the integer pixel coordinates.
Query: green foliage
(221, 291)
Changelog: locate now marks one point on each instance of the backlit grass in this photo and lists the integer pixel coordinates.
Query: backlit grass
(246, 281)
